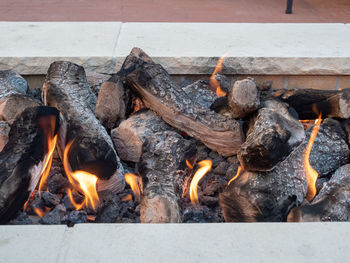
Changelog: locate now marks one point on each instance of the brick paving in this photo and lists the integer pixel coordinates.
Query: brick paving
(175, 10)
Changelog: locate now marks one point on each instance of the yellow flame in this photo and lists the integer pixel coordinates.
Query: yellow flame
(310, 172)
(189, 165)
(239, 170)
(134, 182)
(205, 167)
(214, 83)
(82, 181)
(40, 212)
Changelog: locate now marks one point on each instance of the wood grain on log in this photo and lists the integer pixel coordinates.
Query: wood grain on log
(66, 88)
(269, 196)
(132, 134)
(162, 161)
(168, 100)
(22, 159)
(271, 138)
(243, 98)
(331, 204)
(310, 102)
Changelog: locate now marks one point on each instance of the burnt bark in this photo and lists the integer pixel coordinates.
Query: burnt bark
(22, 159)
(269, 196)
(310, 102)
(168, 100)
(243, 98)
(271, 138)
(133, 133)
(331, 204)
(201, 93)
(162, 166)
(67, 89)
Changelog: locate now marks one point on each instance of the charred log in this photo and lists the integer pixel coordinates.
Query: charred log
(243, 98)
(331, 204)
(22, 159)
(310, 102)
(201, 93)
(132, 134)
(269, 196)
(67, 89)
(167, 99)
(271, 138)
(163, 159)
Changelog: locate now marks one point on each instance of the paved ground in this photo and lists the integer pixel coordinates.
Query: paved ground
(175, 10)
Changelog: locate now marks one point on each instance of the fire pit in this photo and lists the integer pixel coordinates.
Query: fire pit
(206, 152)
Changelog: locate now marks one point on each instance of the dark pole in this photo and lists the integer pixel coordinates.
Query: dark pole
(289, 6)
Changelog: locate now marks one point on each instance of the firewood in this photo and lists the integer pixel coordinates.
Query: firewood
(201, 93)
(162, 161)
(269, 196)
(132, 134)
(310, 102)
(13, 96)
(346, 127)
(22, 159)
(271, 138)
(167, 99)
(66, 88)
(331, 204)
(4, 134)
(243, 98)
(110, 105)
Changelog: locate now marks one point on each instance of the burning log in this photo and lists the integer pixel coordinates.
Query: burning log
(66, 88)
(167, 99)
(310, 102)
(271, 138)
(269, 196)
(13, 98)
(110, 106)
(132, 134)
(331, 204)
(23, 159)
(162, 161)
(243, 98)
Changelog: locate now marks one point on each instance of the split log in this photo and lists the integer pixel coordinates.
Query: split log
(132, 134)
(95, 80)
(162, 161)
(23, 157)
(13, 97)
(66, 88)
(269, 196)
(243, 98)
(331, 204)
(346, 127)
(310, 102)
(168, 100)
(271, 138)
(110, 105)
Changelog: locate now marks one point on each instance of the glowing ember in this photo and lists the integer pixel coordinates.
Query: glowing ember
(239, 170)
(83, 181)
(189, 165)
(127, 198)
(48, 126)
(214, 84)
(205, 167)
(134, 182)
(311, 174)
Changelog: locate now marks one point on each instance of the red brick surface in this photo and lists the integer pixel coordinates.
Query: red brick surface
(175, 10)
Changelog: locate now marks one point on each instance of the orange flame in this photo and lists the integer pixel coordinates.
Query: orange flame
(214, 83)
(310, 172)
(82, 181)
(134, 182)
(48, 125)
(205, 167)
(189, 165)
(41, 213)
(239, 170)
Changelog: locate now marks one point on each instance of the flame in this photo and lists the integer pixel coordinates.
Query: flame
(71, 199)
(239, 170)
(48, 125)
(127, 198)
(134, 182)
(82, 181)
(311, 174)
(214, 84)
(189, 165)
(205, 167)
(40, 212)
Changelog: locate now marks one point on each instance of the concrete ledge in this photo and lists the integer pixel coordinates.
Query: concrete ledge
(261, 242)
(182, 48)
